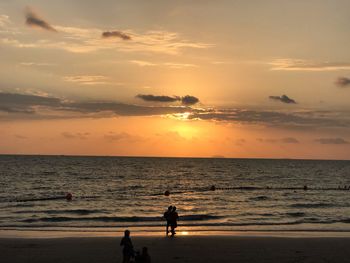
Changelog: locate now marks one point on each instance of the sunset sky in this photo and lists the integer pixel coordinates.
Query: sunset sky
(235, 78)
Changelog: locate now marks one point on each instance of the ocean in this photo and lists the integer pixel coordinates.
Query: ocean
(115, 193)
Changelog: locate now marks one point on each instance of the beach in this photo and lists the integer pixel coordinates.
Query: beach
(179, 249)
(241, 220)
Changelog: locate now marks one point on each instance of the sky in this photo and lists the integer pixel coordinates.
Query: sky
(200, 78)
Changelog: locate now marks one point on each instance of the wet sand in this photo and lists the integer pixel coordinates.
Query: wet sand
(180, 249)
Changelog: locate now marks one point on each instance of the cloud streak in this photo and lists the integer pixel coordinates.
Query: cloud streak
(79, 135)
(189, 100)
(4, 20)
(295, 119)
(143, 63)
(88, 40)
(27, 106)
(288, 64)
(154, 98)
(283, 99)
(335, 141)
(27, 100)
(186, 100)
(116, 34)
(288, 140)
(33, 20)
(35, 64)
(87, 79)
(123, 136)
(23, 105)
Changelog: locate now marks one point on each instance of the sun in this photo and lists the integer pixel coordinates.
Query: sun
(185, 131)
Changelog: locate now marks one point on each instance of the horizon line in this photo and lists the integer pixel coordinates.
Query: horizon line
(171, 157)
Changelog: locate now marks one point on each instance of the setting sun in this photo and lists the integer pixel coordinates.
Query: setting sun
(186, 131)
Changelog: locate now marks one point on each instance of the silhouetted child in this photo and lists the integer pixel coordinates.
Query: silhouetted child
(144, 257)
(167, 218)
(173, 220)
(128, 249)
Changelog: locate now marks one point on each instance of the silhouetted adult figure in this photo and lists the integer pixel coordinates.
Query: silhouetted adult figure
(144, 257)
(167, 218)
(128, 249)
(173, 220)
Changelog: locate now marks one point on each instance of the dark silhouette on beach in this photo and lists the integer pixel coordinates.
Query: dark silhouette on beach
(69, 196)
(167, 218)
(173, 220)
(144, 257)
(128, 249)
(171, 217)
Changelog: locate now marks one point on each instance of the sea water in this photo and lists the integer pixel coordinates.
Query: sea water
(112, 193)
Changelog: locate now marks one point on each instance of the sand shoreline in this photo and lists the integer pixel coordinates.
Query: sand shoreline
(180, 249)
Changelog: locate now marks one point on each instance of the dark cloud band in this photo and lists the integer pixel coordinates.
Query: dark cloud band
(332, 141)
(186, 100)
(33, 19)
(116, 34)
(283, 99)
(25, 103)
(26, 106)
(289, 140)
(189, 100)
(154, 98)
(299, 120)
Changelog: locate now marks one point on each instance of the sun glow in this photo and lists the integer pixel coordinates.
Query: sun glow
(180, 116)
(185, 131)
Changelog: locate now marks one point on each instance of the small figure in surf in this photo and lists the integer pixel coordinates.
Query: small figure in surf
(167, 218)
(173, 220)
(128, 249)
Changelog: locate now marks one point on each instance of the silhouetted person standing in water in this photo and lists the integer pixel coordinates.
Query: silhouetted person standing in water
(173, 220)
(167, 218)
(128, 249)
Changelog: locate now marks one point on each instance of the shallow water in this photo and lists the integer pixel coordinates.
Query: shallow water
(115, 192)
